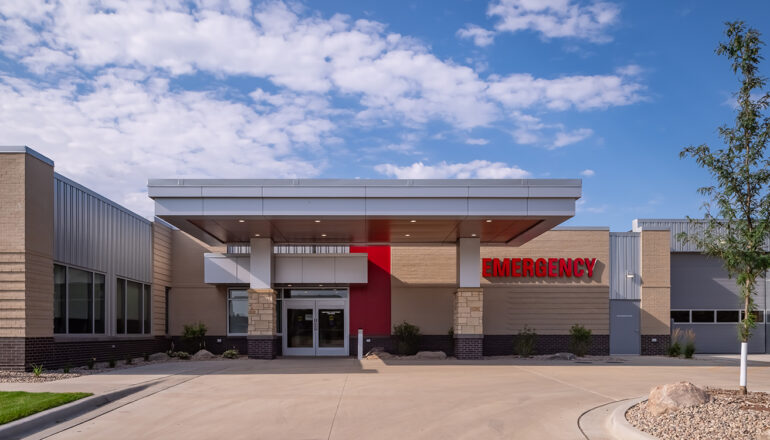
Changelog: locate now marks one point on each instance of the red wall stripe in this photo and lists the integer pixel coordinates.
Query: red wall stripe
(370, 303)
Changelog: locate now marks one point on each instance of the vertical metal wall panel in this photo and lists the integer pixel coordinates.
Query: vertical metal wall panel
(625, 282)
(95, 233)
(676, 226)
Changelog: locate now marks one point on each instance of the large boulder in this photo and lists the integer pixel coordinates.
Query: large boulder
(202, 355)
(674, 396)
(440, 355)
(159, 357)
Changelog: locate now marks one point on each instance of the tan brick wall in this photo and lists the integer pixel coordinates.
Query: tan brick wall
(469, 312)
(161, 275)
(550, 310)
(656, 282)
(430, 308)
(262, 319)
(38, 211)
(12, 252)
(423, 265)
(191, 299)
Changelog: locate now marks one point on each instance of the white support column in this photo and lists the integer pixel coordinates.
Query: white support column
(261, 263)
(468, 262)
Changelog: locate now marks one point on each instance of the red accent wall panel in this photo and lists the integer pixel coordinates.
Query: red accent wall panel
(370, 303)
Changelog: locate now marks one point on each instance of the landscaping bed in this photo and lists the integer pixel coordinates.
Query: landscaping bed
(17, 404)
(727, 415)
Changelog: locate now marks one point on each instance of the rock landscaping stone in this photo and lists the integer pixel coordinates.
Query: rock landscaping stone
(430, 355)
(202, 355)
(159, 357)
(727, 415)
(378, 353)
(562, 356)
(673, 397)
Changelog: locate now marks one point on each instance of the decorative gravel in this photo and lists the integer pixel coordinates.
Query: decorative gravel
(99, 367)
(728, 415)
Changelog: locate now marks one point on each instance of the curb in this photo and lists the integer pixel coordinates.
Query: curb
(620, 428)
(50, 417)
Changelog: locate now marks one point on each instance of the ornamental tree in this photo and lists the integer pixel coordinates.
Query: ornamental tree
(737, 214)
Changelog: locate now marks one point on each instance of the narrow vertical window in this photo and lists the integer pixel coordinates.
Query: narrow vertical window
(99, 303)
(80, 304)
(147, 308)
(120, 306)
(237, 311)
(59, 299)
(133, 307)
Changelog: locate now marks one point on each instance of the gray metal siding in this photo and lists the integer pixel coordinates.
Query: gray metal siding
(676, 226)
(94, 233)
(625, 260)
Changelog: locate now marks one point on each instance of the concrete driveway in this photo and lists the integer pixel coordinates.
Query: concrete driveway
(342, 398)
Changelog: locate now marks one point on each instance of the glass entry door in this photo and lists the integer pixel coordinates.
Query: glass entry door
(315, 327)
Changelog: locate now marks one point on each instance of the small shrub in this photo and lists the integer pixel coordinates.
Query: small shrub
(580, 340)
(231, 354)
(66, 369)
(181, 355)
(407, 338)
(675, 347)
(689, 344)
(525, 342)
(146, 357)
(129, 360)
(195, 333)
(90, 363)
(111, 363)
(37, 370)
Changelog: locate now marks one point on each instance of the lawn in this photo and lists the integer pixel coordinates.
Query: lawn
(17, 404)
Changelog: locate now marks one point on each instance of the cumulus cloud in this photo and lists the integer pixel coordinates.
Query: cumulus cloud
(556, 18)
(478, 169)
(587, 173)
(566, 138)
(476, 141)
(481, 37)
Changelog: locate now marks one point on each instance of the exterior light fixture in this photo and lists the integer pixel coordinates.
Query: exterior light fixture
(256, 235)
(407, 235)
(489, 220)
(412, 221)
(241, 221)
(323, 235)
(318, 221)
(629, 275)
(289, 285)
(473, 235)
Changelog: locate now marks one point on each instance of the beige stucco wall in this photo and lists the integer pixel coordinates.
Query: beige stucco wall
(192, 300)
(430, 308)
(161, 275)
(656, 282)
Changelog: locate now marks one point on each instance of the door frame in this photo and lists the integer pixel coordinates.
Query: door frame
(315, 304)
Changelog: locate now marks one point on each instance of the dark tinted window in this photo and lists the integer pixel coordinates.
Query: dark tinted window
(727, 316)
(758, 315)
(680, 315)
(702, 316)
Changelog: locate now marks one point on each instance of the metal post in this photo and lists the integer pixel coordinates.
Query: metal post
(360, 344)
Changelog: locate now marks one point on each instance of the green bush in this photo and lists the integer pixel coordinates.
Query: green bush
(129, 360)
(146, 357)
(37, 370)
(91, 363)
(195, 333)
(231, 354)
(112, 363)
(181, 355)
(580, 340)
(525, 342)
(689, 344)
(407, 338)
(675, 347)
(66, 369)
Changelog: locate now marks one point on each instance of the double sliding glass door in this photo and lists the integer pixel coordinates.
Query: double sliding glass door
(315, 327)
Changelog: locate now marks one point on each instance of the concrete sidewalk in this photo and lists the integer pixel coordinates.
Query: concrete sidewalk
(342, 398)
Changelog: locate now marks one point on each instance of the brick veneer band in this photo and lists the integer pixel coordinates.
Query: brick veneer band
(503, 345)
(263, 348)
(659, 347)
(469, 348)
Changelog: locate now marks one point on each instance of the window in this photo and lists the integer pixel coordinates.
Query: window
(132, 307)
(237, 312)
(758, 315)
(680, 315)
(727, 316)
(702, 316)
(78, 301)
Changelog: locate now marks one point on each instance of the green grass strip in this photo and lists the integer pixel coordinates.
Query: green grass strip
(17, 404)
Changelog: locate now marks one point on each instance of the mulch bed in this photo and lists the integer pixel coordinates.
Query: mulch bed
(728, 415)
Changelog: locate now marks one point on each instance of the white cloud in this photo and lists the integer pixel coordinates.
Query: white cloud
(587, 173)
(476, 141)
(478, 169)
(582, 205)
(556, 18)
(566, 138)
(481, 37)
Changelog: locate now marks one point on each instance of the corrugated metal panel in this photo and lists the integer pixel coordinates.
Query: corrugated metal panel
(95, 233)
(625, 265)
(676, 226)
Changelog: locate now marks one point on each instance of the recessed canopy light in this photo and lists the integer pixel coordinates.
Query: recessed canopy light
(407, 235)
(318, 221)
(489, 221)
(241, 220)
(256, 235)
(323, 235)
(412, 221)
(289, 285)
(320, 285)
(473, 235)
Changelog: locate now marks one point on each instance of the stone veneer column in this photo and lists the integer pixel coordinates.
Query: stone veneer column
(262, 342)
(468, 322)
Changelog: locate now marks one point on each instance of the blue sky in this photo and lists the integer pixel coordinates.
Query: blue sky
(610, 92)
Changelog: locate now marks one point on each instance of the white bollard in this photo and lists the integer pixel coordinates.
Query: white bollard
(360, 344)
(744, 362)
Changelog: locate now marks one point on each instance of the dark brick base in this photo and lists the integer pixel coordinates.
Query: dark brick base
(263, 347)
(503, 345)
(12, 353)
(469, 348)
(214, 344)
(659, 347)
(443, 343)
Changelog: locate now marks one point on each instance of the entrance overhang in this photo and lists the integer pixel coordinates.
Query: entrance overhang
(327, 211)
